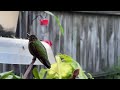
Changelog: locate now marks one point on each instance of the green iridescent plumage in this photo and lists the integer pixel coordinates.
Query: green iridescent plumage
(37, 49)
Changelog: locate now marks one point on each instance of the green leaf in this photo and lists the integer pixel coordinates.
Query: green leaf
(64, 72)
(36, 73)
(75, 65)
(8, 77)
(5, 74)
(58, 60)
(57, 20)
(42, 73)
(59, 24)
(65, 57)
(16, 77)
(90, 76)
(51, 74)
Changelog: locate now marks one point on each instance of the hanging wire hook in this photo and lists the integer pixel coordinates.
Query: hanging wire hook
(45, 14)
(37, 17)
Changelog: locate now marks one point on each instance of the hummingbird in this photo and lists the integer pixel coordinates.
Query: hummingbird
(37, 49)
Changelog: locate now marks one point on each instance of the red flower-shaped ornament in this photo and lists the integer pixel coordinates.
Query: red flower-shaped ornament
(44, 22)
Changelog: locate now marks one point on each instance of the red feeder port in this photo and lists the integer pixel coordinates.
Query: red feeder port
(44, 22)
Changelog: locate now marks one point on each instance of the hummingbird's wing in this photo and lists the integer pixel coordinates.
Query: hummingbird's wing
(37, 49)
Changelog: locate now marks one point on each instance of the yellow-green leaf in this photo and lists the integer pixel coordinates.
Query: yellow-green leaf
(36, 73)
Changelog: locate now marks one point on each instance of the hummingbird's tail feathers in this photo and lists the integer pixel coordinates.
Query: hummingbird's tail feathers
(45, 62)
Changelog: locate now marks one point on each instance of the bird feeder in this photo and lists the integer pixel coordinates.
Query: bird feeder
(15, 51)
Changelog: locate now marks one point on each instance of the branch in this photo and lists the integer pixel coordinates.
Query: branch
(28, 69)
